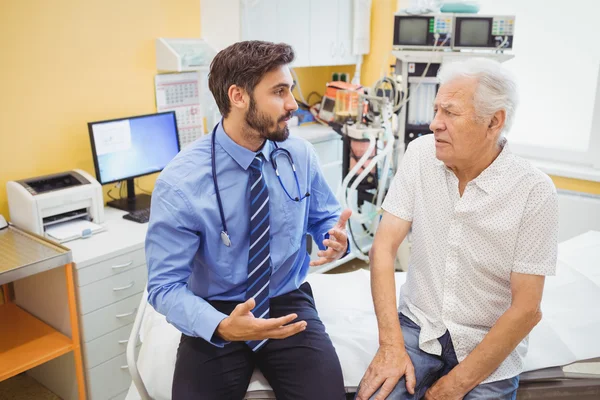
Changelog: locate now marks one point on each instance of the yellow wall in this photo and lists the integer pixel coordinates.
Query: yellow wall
(382, 25)
(69, 62)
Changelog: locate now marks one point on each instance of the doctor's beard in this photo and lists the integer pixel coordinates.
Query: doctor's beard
(263, 124)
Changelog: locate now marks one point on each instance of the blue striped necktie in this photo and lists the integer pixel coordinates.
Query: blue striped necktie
(259, 256)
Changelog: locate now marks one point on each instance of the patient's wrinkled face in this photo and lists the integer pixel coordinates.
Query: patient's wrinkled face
(459, 135)
(272, 104)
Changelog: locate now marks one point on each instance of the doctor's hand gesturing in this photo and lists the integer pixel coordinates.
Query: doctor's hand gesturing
(337, 244)
(243, 325)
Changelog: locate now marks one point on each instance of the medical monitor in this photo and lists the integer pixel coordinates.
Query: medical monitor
(483, 32)
(127, 148)
(423, 31)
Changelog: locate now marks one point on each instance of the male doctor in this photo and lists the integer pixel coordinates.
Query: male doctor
(226, 244)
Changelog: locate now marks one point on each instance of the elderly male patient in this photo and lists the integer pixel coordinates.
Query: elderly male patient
(484, 236)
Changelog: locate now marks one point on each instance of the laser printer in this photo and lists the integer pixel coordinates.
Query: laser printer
(35, 204)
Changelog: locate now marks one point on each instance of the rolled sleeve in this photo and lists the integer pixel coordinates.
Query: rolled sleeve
(400, 198)
(537, 241)
(171, 245)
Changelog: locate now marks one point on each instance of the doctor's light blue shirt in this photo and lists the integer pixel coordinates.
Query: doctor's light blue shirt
(188, 263)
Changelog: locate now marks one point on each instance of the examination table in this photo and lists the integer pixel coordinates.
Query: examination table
(569, 331)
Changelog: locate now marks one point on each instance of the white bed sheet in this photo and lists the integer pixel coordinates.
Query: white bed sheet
(567, 333)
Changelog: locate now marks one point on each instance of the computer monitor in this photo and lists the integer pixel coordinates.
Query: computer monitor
(127, 148)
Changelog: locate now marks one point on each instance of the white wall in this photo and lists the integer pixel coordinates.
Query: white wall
(578, 213)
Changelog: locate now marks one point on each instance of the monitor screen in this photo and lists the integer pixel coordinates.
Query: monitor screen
(474, 32)
(130, 147)
(413, 31)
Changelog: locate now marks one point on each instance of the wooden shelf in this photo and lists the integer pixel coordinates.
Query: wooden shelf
(26, 342)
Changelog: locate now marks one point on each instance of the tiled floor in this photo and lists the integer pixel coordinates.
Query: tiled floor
(23, 387)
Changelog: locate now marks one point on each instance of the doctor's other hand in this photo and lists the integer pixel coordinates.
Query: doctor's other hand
(389, 365)
(241, 325)
(337, 244)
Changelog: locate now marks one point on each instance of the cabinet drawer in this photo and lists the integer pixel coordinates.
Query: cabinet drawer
(329, 151)
(109, 318)
(109, 290)
(106, 347)
(110, 378)
(110, 267)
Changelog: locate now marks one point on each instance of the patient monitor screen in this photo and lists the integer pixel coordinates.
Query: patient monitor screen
(132, 147)
(413, 31)
(474, 32)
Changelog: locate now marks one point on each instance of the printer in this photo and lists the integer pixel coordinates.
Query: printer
(36, 204)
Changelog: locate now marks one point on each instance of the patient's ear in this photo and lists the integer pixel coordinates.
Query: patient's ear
(497, 123)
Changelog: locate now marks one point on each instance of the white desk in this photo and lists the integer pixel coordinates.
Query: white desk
(110, 277)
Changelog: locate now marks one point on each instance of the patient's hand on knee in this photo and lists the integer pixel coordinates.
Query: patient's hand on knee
(389, 365)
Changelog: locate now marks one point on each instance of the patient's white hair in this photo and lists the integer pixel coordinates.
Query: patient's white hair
(496, 90)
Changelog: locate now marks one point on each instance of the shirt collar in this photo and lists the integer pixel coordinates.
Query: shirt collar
(489, 178)
(240, 154)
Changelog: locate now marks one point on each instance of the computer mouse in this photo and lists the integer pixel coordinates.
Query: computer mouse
(3, 223)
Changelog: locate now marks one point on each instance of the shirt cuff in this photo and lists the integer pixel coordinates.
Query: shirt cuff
(207, 327)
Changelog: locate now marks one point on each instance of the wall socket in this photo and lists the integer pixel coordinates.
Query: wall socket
(340, 76)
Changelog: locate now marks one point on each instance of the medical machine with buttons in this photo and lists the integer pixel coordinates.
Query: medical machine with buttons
(38, 204)
(423, 31)
(483, 32)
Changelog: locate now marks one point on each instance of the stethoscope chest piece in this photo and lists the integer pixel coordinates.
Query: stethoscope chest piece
(225, 239)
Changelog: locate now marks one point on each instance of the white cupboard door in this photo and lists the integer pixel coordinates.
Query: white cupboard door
(323, 32)
(344, 32)
(259, 20)
(293, 27)
(220, 22)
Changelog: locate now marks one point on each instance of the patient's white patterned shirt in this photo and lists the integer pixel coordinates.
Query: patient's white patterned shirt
(465, 248)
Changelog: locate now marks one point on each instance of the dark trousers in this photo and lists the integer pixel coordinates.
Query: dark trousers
(302, 366)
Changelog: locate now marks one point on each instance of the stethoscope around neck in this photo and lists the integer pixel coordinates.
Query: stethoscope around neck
(278, 151)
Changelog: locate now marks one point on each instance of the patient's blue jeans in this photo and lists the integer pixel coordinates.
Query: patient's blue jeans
(429, 368)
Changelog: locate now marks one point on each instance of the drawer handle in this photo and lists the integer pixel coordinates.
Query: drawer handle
(118, 289)
(122, 265)
(124, 367)
(127, 314)
(123, 341)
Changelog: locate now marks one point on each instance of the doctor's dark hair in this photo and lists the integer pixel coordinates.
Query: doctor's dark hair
(244, 64)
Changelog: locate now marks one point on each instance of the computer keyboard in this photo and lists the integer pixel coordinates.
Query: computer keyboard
(141, 216)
